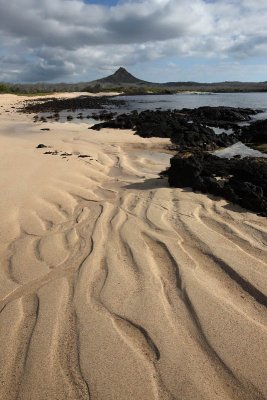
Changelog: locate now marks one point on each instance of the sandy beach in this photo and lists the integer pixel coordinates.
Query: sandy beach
(114, 286)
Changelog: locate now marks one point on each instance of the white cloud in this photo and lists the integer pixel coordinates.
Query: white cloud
(61, 39)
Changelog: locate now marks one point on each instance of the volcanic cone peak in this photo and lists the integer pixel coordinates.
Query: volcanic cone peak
(120, 76)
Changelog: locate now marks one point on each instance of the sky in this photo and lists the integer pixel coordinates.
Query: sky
(155, 40)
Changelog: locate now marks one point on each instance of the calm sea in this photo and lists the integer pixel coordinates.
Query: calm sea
(251, 100)
(179, 101)
(176, 101)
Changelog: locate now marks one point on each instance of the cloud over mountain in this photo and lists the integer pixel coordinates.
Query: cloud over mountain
(65, 39)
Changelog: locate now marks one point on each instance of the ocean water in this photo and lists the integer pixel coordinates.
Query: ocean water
(178, 101)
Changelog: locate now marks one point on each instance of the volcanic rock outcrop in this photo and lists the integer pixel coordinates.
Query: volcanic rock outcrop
(241, 181)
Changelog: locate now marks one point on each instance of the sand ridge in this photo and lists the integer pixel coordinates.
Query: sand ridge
(115, 286)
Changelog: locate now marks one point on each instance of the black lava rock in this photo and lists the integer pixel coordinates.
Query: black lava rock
(82, 102)
(242, 181)
(255, 133)
(173, 124)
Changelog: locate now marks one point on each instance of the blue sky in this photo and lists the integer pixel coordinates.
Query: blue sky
(156, 40)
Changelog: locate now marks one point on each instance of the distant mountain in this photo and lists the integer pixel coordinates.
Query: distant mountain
(120, 78)
(123, 81)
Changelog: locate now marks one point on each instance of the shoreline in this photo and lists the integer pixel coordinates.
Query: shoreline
(114, 285)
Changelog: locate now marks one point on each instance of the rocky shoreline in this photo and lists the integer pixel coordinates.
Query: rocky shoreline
(55, 105)
(241, 181)
(184, 127)
(191, 131)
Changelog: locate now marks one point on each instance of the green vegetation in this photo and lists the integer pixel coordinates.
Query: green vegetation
(129, 90)
(125, 83)
(147, 90)
(4, 88)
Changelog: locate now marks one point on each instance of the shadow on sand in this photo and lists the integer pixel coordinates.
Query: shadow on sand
(162, 182)
(149, 184)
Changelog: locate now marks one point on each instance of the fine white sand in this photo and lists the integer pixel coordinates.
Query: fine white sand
(114, 286)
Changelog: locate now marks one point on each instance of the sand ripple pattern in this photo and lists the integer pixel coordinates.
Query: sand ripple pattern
(120, 288)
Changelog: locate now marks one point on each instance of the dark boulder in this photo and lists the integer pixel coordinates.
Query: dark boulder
(189, 170)
(255, 133)
(241, 181)
(247, 194)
